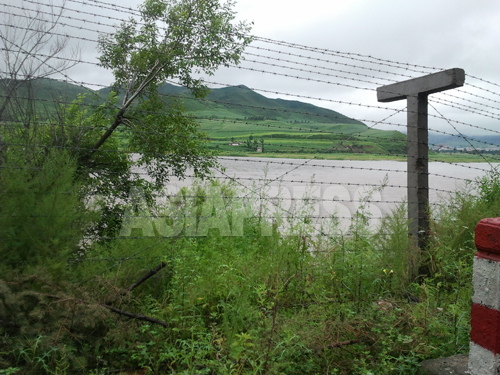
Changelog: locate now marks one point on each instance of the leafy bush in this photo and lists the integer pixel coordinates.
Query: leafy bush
(42, 217)
(275, 298)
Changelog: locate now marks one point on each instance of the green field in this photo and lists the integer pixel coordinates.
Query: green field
(280, 138)
(285, 128)
(446, 158)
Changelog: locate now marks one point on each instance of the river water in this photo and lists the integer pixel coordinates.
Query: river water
(339, 186)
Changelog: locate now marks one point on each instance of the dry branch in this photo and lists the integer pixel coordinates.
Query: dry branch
(147, 276)
(117, 311)
(135, 316)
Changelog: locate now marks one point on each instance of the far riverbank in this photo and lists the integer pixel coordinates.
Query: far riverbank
(433, 157)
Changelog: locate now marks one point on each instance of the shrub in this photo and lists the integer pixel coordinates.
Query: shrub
(42, 219)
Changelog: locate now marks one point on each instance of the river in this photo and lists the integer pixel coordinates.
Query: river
(338, 185)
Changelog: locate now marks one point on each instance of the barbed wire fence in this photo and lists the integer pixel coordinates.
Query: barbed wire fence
(336, 188)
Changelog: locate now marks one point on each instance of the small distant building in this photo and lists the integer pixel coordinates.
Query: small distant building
(234, 144)
(259, 149)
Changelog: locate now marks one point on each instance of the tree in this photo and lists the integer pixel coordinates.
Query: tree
(31, 49)
(174, 39)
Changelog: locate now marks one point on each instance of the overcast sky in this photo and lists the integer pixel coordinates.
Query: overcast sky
(434, 33)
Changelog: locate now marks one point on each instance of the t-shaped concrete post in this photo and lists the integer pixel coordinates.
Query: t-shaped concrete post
(416, 91)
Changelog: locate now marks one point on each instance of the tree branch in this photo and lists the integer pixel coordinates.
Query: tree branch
(155, 70)
(118, 121)
(123, 109)
(113, 309)
(134, 316)
(147, 276)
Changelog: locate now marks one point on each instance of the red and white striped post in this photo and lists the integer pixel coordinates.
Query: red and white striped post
(484, 356)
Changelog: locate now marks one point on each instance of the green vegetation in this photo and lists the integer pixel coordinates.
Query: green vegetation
(235, 293)
(260, 301)
(446, 158)
(288, 129)
(237, 113)
(101, 274)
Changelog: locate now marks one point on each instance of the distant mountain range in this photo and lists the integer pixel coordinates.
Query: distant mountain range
(242, 102)
(230, 102)
(238, 113)
(456, 141)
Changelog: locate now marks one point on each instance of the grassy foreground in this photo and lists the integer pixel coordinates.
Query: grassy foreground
(241, 287)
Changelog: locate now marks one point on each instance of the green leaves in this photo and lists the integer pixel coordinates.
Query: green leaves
(167, 141)
(173, 39)
(42, 220)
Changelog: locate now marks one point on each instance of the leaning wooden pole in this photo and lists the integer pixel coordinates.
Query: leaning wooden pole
(416, 91)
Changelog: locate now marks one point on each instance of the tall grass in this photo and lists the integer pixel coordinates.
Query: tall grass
(285, 295)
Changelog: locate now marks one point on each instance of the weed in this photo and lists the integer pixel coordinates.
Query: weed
(275, 299)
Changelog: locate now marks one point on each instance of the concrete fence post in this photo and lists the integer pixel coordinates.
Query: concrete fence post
(416, 91)
(484, 356)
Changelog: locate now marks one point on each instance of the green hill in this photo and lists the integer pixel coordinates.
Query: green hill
(45, 92)
(242, 102)
(46, 89)
(239, 115)
(233, 115)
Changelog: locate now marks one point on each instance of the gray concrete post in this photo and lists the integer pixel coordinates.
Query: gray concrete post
(416, 91)
(417, 175)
